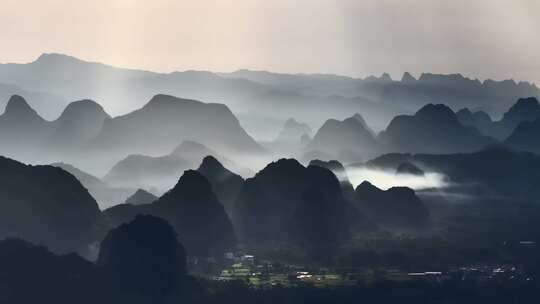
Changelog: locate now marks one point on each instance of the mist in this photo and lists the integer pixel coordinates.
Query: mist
(386, 179)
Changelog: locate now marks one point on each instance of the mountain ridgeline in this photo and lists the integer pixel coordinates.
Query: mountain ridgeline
(87, 137)
(259, 94)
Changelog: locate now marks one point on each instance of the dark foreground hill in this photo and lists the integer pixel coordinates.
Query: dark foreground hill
(289, 203)
(104, 194)
(48, 206)
(225, 184)
(526, 136)
(139, 262)
(397, 208)
(194, 211)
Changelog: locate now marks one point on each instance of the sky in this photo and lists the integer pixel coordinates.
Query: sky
(482, 39)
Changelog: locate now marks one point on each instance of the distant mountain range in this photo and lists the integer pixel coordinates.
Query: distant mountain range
(53, 80)
(348, 140)
(524, 110)
(165, 121)
(105, 194)
(85, 133)
(161, 172)
(432, 129)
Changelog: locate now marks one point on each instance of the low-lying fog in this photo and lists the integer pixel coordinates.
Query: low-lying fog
(385, 179)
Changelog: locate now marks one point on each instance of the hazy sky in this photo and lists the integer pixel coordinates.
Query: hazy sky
(481, 38)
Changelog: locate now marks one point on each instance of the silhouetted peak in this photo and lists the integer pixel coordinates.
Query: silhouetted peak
(291, 122)
(385, 77)
(359, 117)
(466, 117)
(354, 122)
(56, 58)
(141, 197)
(189, 147)
(83, 107)
(464, 111)
(367, 186)
(441, 77)
(149, 228)
(145, 254)
(407, 77)
(210, 164)
(17, 105)
(409, 168)
(438, 113)
(363, 122)
(292, 130)
(283, 164)
(524, 105)
(333, 165)
(194, 183)
(402, 192)
(166, 101)
(330, 165)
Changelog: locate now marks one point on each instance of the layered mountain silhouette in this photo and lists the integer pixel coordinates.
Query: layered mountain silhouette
(479, 119)
(194, 211)
(141, 197)
(282, 202)
(433, 129)
(348, 140)
(409, 168)
(526, 136)
(165, 121)
(141, 171)
(357, 220)
(260, 94)
(84, 133)
(524, 110)
(27, 136)
(160, 172)
(341, 173)
(138, 262)
(495, 170)
(225, 184)
(105, 194)
(48, 104)
(80, 122)
(50, 277)
(21, 127)
(396, 208)
(145, 254)
(48, 206)
(293, 131)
